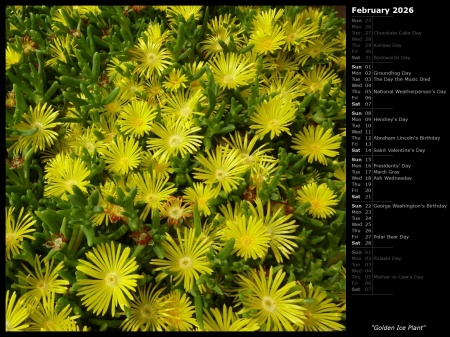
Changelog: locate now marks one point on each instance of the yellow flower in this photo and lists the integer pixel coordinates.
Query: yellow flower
(231, 214)
(273, 116)
(222, 28)
(286, 85)
(341, 174)
(107, 128)
(42, 119)
(321, 199)
(62, 173)
(43, 281)
(15, 314)
(12, 57)
(316, 143)
(122, 155)
(269, 303)
(46, 318)
(175, 80)
(16, 230)
(174, 211)
(155, 92)
(267, 35)
(86, 140)
(318, 77)
(150, 57)
(183, 105)
(186, 11)
(268, 41)
(185, 258)
(136, 119)
(157, 34)
(113, 278)
(222, 167)
(319, 49)
(173, 138)
(152, 190)
(148, 310)
(252, 238)
(321, 314)
(280, 62)
(227, 320)
(266, 19)
(298, 32)
(114, 108)
(251, 157)
(279, 228)
(111, 212)
(162, 167)
(200, 194)
(232, 70)
(131, 87)
(180, 312)
(264, 171)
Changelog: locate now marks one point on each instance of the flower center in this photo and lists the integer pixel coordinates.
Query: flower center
(124, 161)
(316, 205)
(10, 238)
(273, 124)
(269, 304)
(150, 198)
(39, 126)
(246, 241)
(111, 107)
(315, 148)
(267, 44)
(147, 311)
(70, 183)
(186, 262)
(175, 212)
(174, 141)
(186, 111)
(90, 147)
(174, 317)
(315, 86)
(160, 168)
(112, 280)
(151, 58)
(228, 78)
(201, 202)
(220, 174)
(291, 37)
(248, 159)
(309, 315)
(314, 52)
(42, 286)
(137, 122)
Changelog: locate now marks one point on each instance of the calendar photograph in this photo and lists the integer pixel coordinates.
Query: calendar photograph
(183, 168)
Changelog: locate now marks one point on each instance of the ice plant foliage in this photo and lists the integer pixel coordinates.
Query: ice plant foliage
(175, 168)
